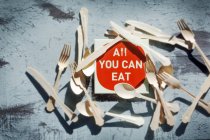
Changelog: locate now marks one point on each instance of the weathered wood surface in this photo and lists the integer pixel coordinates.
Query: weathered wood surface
(32, 33)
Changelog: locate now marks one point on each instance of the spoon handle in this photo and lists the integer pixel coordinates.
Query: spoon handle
(155, 119)
(131, 119)
(95, 110)
(168, 114)
(138, 95)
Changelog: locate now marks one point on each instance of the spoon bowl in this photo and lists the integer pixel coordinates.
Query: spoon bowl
(83, 108)
(125, 90)
(79, 77)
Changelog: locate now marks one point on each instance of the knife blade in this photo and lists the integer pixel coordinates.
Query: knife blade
(50, 91)
(137, 41)
(158, 33)
(92, 57)
(147, 28)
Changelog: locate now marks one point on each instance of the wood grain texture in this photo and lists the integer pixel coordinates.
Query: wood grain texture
(32, 33)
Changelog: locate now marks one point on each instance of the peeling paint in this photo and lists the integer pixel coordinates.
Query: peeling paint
(20, 110)
(4, 21)
(56, 13)
(3, 63)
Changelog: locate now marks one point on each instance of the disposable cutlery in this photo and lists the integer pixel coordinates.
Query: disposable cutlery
(175, 83)
(187, 115)
(127, 91)
(93, 56)
(137, 41)
(85, 109)
(189, 36)
(90, 68)
(51, 92)
(158, 35)
(62, 64)
(147, 28)
(95, 109)
(75, 88)
(158, 115)
(151, 77)
(164, 39)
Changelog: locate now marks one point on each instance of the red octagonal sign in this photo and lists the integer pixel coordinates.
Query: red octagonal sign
(122, 63)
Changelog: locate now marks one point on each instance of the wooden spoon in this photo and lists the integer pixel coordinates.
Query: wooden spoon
(127, 91)
(84, 109)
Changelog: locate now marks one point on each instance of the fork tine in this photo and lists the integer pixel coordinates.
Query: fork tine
(164, 76)
(161, 77)
(167, 74)
(187, 27)
(61, 55)
(179, 25)
(69, 50)
(65, 53)
(184, 24)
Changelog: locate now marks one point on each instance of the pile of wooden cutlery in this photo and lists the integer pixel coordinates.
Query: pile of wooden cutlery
(159, 78)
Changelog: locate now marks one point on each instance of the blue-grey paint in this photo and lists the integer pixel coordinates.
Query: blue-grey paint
(32, 33)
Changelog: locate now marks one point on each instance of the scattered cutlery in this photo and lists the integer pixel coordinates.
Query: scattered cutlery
(95, 110)
(189, 36)
(158, 116)
(147, 28)
(85, 109)
(75, 88)
(62, 64)
(168, 40)
(158, 35)
(150, 65)
(151, 77)
(92, 57)
(51, 92)
(175, 83)
(127, 91)
(137, 41)
(204, 88)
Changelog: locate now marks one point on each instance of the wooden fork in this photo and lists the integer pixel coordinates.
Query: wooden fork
(158, 115)
(97, 112)
(175, 83)
(204, 88)
(151, 77)
(189, 36)
(62, 64)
